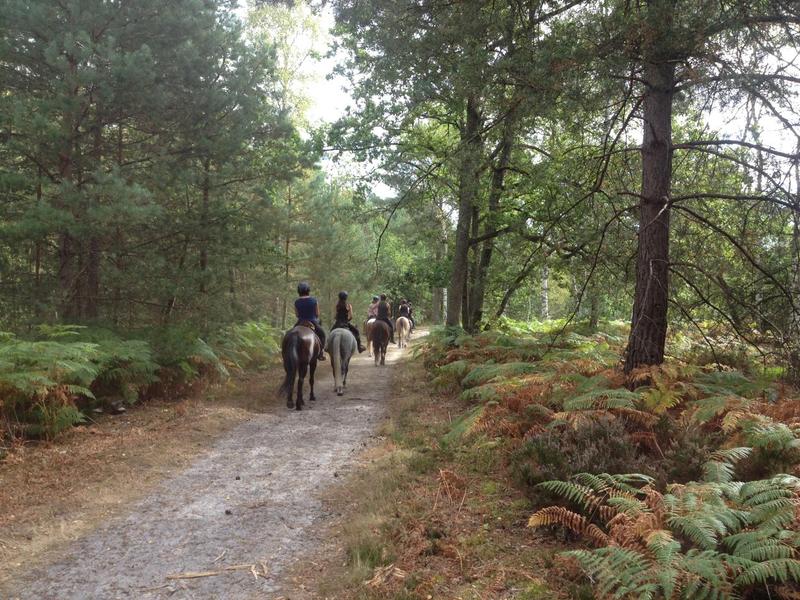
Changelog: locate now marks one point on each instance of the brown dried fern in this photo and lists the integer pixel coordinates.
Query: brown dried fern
(558, 515)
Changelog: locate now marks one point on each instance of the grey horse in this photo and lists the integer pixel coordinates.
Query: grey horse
(341, 346)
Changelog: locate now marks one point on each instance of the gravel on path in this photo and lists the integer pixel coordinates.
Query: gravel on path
(230, 524)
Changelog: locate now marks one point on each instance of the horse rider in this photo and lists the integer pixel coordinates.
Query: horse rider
(385, 315)
(344, 318)
(306, 308)
(372, 311)
(404, 310)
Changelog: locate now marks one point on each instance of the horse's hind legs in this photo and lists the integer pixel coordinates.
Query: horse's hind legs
(298, 405)
(300, 377)
(313, 368)
(289, 401)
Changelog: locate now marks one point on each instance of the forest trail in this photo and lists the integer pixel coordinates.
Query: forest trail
(230, 524)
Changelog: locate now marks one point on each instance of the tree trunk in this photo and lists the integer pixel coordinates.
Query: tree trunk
(286, 259)
(469, 284)
(66, 161)
(523, 274)
(794, 325)
(91, 309)
(436, 305)
(467, 191)
(119, 262)
(92, 276)
(594, 309)
(478, 293)
(545, 314)
(439, 294)
(649, 322)
(204, 224)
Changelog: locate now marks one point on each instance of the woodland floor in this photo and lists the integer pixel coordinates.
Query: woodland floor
(215, 497)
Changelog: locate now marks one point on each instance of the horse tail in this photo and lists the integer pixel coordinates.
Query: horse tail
(291, 359)
(334, 349)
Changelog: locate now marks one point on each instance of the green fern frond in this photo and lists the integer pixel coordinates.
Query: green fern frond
(713, 406)
(779, 570)
(770, 436)
(481, 393)
(702, 532)
(722, 465)
(660, 398)
(619, 572)
(489, 371)
(464, 426)
(576, 493)
(602, 399)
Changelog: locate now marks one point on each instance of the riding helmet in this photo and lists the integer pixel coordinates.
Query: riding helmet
(342, 295)
(375, 298)
(303, 288)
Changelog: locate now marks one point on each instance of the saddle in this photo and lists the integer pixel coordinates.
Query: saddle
(312, 327)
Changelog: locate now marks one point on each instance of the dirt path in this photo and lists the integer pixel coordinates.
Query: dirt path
(239, 516)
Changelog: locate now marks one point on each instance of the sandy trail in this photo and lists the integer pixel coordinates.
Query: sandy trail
(251, 503)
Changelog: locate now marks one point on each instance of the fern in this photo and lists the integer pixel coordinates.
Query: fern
(661, 397)
(722, 464)
(735, 535)
(713, 406)
(464, 426)
(556, 515)
(602, 399)
(778, 570)
(487, 372)
(482, 393)
(729, 383)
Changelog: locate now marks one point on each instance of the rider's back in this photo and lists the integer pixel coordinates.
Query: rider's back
(306, 308)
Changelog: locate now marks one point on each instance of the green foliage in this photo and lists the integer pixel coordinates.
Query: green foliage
(602, 399)
(487, 372)
(700, 540)
(44, 383)
(451, 373)
(463, 426)
(559, 453)
(39, 381)
(482, 393)
(185, 353)
(707, 512)
(247, 345)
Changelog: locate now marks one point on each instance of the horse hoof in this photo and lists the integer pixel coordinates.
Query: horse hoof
(340, 393)
(290, 405)
(313, 398)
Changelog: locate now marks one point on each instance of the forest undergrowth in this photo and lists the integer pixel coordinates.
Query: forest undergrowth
(54, 379)
(677, 481)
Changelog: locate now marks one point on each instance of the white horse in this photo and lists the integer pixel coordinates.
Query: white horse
(403, 326)
(368, 334)
(341, 346)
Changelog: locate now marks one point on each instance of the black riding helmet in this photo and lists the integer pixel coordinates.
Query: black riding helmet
(303, 289)
(343, 295)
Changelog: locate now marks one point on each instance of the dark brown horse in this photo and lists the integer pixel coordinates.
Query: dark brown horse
(379, 335)
(300, 349)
